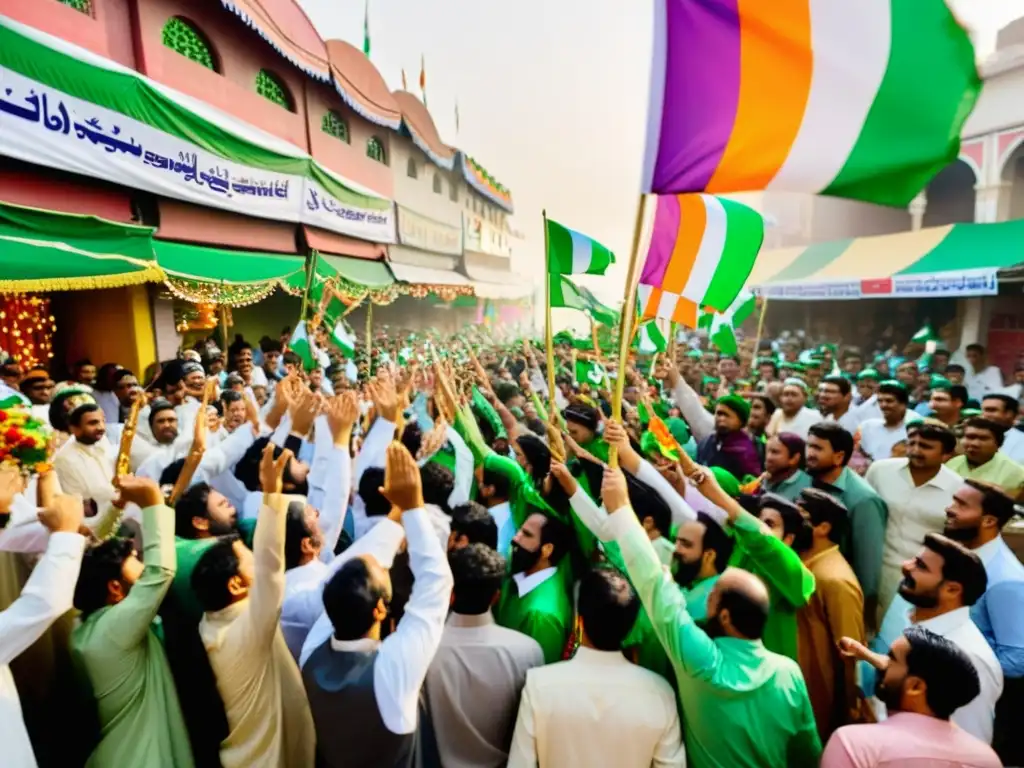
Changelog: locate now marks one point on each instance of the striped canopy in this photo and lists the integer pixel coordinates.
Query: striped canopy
(954, 260)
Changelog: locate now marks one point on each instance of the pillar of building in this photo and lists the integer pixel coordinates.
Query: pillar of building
(991, 202)
(917, 208)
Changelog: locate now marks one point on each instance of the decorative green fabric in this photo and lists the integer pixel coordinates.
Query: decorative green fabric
(183, 38)
(369, 274)
(199, 262)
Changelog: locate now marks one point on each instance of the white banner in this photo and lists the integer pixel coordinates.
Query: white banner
(484, 237)
(42, 125)
(416, 231)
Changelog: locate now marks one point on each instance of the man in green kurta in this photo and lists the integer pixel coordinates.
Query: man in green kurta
(743, 706)
(117, 647)
(534, 600)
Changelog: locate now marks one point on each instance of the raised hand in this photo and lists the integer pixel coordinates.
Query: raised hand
(402, 484)
(11, 484)
(564, 478)
(614, 492)
(272, 470)
(64, 514)
(342, 412)
(141, 491)
(434, 439)
(304, 411)
(384, 395)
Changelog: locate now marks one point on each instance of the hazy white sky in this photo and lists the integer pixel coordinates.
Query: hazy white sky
(552, 96)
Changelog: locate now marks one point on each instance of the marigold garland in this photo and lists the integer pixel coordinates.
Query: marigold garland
(23, 439)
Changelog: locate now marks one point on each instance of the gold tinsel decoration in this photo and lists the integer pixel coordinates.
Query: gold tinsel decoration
(231, 294)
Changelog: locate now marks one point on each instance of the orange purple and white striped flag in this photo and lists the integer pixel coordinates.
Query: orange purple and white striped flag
(701, 253)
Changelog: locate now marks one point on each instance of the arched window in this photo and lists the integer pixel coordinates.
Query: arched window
(437, 183)
(334, 125)
(375, 150)
(410, 169)
(270, 87)
(453, 192)
(82, 6)
(183, 38)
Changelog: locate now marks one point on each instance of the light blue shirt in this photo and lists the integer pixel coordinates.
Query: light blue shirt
(999, 613)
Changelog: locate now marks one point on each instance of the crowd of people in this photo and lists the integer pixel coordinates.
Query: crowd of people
(790, 557)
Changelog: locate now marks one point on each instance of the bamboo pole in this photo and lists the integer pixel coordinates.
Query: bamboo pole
(760, 327)
(369, 338)
(627, 326)
(549, 343)
(593, 340)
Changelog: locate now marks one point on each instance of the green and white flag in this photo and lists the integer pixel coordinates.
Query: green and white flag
(590, 372)
(721, 327)
(572, 253)
(649, 339)
(344, 340)
(565, 293)
(303, 346)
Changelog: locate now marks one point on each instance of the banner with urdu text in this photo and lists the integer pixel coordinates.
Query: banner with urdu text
(67, 108)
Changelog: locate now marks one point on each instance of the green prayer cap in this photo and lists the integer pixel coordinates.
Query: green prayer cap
(792, 367)
(894, 383)
(737, 405)
(679, 429)
(727, 480)
(938, 381)
(967, 413)
(793, 381)
(869, 373)
(696, 354)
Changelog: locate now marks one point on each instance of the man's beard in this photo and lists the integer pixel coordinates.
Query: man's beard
(713, 627)
(970, 533)
(926, 600)
(685, 573)
(90, 439)
(168, 437)
(523, 560)
(220, 528)
(887, 694)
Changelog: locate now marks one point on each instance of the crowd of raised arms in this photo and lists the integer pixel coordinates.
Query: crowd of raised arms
(777, 561)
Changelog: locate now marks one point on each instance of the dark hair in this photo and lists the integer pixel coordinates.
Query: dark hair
(769, 406)
(841, 382)
(994, 501)
(192, 503)
(295, 532)
(229, 396)
(369, 489)
(83, 362)
(978, 422)
(748, 615)
(948, 672)
(268, 345)
(976, 348)
(158, 406)
(498, 481)
(928, 430)
(75, 417)
(1010, 404)
(792, 519)
(438, 484)
(717, 540)
(837, 437)
(215, 568)
(474, 522)
(646, 501)
(290, 358)
(955, 368)
(101, 564)
(477, 572)
(608, 607)
(896, 390)
(822, 507)
(412, 437)
(961, 565)
(538, 454)
(558, 534)
(350, 598)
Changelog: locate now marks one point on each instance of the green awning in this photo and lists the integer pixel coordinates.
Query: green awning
(49, 251)
(217, 265)
(369, 274)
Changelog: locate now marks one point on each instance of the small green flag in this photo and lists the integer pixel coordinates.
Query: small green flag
(721, 327)
(565, 293)
(572, 253)
(590, 372)
(649, 339)
(344, 339)
(302, 345)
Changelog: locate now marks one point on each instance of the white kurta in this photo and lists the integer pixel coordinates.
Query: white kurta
(47, 595)
(87, 470)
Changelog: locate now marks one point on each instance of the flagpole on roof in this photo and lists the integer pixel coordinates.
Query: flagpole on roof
(549, 344)
(628, 322)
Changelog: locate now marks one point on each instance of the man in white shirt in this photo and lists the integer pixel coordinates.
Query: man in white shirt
(917, 489)
(941, 583)
(793, 415)
(980, 378)
(878, 436)
(85, 464)
(630, 717)
(474, 684)
(835, 397)
(46, 596)
(1003, 410)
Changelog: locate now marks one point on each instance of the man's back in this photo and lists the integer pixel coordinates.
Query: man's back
(907, 740)
(473, 688)
(597, 709)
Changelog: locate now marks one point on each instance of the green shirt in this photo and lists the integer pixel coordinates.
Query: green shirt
(790, 488)
(743, 706)
(865, 535)
(1000, 470)
(545, 614)
(790, 584)
(118, 650)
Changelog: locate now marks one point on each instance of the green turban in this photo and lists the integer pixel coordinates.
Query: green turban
(738, 405)
(727, 481)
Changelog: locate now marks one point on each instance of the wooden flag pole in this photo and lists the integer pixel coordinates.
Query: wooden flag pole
(549, 343)
(369, 338)
(626, 324)
(594, 341)
(760, 327)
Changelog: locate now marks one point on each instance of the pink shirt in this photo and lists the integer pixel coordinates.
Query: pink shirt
(907, 740)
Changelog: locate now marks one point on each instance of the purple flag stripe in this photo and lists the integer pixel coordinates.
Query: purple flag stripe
(702, 89)
(663, 241)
